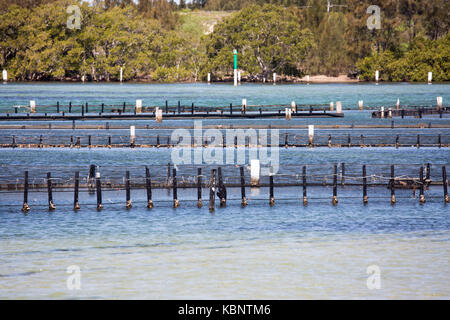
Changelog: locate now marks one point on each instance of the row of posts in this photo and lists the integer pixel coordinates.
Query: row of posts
(218, 187)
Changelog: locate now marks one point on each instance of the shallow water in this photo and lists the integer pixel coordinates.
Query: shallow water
(259, 252)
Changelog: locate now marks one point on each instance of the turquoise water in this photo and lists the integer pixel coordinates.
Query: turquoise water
(287, 251)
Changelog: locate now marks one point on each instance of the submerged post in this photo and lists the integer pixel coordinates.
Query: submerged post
(25, 206)
(222, 193)
(243, 197)
(148, 186)
(391, 184)
(128, 191)
(51, 206)
(422, 196)
(342, 174)
(76, 204)
(365, 198)
(176, 202)
(199, 188)
(212, 191)
(99, 191)
(334, 201)
(444, 184)
(272, 198)
(305, 198)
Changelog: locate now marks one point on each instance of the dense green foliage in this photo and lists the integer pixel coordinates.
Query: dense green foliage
(159, 39)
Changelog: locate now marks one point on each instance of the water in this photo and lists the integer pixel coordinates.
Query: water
(283, 252)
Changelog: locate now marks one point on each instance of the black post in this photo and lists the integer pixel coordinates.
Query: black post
(272, 198)
(176, 202)
(82, 110)
(76, 204)
(231, 108)
(243, 197)
(329, 141)
(103, 107)
(199, 188)
(342, 174)
(25, 207)
(439, 141)
(99, 191)
(148, 185)
(286, 140)
(57, 106)
(167, 107)
(397, 142)
(349, 141)
(391, 184)
(70, 107)
(422, 196)
(192, 108)
(212, 191)
(305, 197)
(222, 191)
(335, 200)
(365, 198)
(445, 183)
(128, 191)
(418, 141)
(87, 108)
(51, 206)
(179, 107)
(124, 107)
(157, 141)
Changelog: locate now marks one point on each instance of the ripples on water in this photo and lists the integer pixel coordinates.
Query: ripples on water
(284, 252)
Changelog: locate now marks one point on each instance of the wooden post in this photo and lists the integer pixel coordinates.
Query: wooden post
(397, 138)
(272, 199)
(391, 184)
(138, 108)
(243, 197)
(90, 141)
(99, 191)
(25, 206)
(329, 141)
(305, 198)
(422, 196)
(148, 185)
(76, 204)
(365, 198)
(286, 140)
(51, 206)
(199, 188)
(109, 141)
(444, 184)
(331, 106)
(439, 141)
(128, 191)
(82, 110)
(176, 202)
(212, 191)
(334, 201)
(158, 144)
(418, 141)
(342, 174)
(222, 191)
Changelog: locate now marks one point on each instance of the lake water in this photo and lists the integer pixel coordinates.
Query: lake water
(287, 251)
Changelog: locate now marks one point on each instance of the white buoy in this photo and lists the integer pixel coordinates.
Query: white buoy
(360, 104)
(430, 77)
(121, 74)
(311, 134)
(397, 105)
(274, 77)
(382, 112)
(209, 77)
(138, 106)
(439, 102)
(331, 106)
(158, 114)
(132, 134)
(254, 172)
(339, 107)
(288, 113)
(32, 106)
(293, 106)
(5, 75)
(377, 76)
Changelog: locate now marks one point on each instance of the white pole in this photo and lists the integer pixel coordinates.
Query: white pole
(331, 106)
(377, 76)
(307, 79)
(121, 74)
(235, 77)
(244, 105)
(239, 76)
(254, 172)
(311, 134)
(382, 112)
(5, 75)
(430, 77)
(209, 77)
(274, 77)
(360, 104)
(32, 106)
(82, 78)
(339, 107)
(439, 102)
(397, 105)
(158, 114)
(132, 134)
(389, 113)
(288, 113)
(293, 106)
(138, 106)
